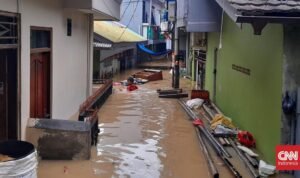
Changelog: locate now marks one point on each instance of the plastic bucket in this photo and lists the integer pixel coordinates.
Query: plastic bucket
(25, 161)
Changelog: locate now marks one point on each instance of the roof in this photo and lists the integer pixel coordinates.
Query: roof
(100, 42)
(261, 12)
(116, 32)
(259, 7)
(278, 11)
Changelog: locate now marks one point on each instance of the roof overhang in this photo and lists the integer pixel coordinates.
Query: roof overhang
(258, 22)
(116, 33)
(101, 9)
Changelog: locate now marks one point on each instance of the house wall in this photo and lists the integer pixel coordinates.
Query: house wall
(203, 16)
(9, 5)
(109, 7)
(69, 55)
(253, 102)
(114, 67)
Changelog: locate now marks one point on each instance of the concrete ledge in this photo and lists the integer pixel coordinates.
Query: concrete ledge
(58, 124)
(62, 139)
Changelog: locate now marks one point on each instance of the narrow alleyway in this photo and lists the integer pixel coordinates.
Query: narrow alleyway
(141, 136)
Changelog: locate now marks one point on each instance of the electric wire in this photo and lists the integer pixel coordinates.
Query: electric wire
(129, 20)
(129, 2)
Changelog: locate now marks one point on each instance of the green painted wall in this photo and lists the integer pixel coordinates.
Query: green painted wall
(253, 102)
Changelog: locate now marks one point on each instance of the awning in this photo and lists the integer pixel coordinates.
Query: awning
(116, 32)
(102, 45)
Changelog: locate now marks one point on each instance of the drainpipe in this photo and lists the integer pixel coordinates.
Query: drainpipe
(18, 6)
(19, 123)
(176, 51)
(215, 74)
(89, 55)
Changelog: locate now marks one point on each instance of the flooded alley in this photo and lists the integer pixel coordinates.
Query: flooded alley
(86, 89)
(141, 135)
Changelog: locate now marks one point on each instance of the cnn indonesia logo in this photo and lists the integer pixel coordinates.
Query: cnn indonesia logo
(287, 157)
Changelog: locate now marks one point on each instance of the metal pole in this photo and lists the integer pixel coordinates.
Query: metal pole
(203, 129)
(251, 169)
(214, 144)
(211, 165)
(215, 74)
(177, 73)
(175, 50)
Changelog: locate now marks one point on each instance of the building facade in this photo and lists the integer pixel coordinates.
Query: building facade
(46, 53)
(251, 96)
(193, 20)
(114, 48)
(251, 67)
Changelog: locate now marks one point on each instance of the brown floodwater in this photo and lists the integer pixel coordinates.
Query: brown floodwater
(141, 136)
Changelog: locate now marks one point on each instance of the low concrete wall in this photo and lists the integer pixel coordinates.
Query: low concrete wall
(62, 139)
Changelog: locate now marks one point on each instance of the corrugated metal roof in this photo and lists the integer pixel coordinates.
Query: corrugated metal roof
(266, 6)
(116, 32)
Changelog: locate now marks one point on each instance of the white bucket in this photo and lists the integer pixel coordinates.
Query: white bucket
(20, 168)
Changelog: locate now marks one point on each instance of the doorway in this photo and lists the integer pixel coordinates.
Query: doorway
(8, 94)
(9, 80)
(40, 72)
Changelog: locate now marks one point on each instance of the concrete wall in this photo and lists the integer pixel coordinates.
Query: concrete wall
(9, 5)
(109, 7)
(114, 67)
(252, 101)
(203, 16)
(69, 55)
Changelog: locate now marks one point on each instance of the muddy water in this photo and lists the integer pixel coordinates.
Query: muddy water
(140, 136)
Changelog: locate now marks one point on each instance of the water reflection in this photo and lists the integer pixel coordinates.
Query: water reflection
(130, 145)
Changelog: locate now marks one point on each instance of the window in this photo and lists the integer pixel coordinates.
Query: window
(8, 30)
(40, 39)
(144, 13)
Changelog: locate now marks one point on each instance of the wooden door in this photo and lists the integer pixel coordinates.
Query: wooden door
(8, 94)
(40, 85)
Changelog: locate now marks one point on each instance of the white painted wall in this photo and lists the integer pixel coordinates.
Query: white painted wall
(116, 65)
(69, 56)
(8, 5)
